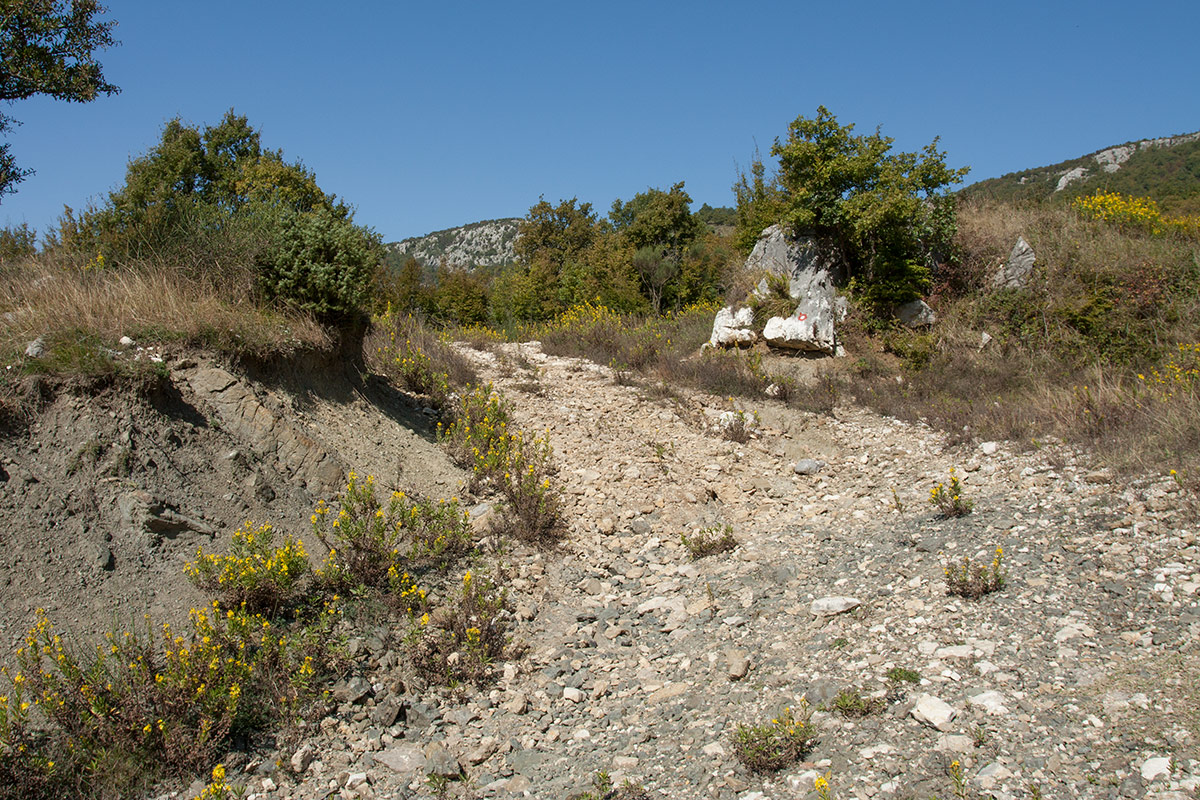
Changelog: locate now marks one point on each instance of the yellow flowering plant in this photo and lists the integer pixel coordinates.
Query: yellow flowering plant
(460, 643)
(771, 747)
(372, 543)
(146, 701)
(948, 497)
(255, 573)
(972, 580)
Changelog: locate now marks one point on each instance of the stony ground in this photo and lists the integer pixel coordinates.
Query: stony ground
(1078, 679)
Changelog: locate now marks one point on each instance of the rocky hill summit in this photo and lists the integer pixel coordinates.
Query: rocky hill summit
(631, 656)
(1164, 168)
(486, 244)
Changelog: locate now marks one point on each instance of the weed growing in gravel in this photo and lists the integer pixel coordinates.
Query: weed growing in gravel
(821, 787)
(532, 508)
(737, 425)
(370, 543)
(459, 641)
(477, 435)
(518, 465)
(771, 747)
(959, 780)
(219, 788)
(255, 574)
(974, 580)
(603, 789)
(948, 499)
(851, 703)
(902, 675)
(416, 371)
(709, 541)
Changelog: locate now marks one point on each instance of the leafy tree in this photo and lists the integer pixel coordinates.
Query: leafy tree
(658, 219)
(759, 205)
(460, 297)
(713, 217)
(888, 214)
(47, 47)
(548, 239)
(555, 234)
(659, 226)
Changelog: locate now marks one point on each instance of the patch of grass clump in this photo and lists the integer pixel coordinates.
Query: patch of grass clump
(603, 789)
(778, 744)
(852, 703)
(902, 675)
(973, 580)
(709, 541)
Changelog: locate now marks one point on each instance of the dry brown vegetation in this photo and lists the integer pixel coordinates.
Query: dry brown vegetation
(1098, 349)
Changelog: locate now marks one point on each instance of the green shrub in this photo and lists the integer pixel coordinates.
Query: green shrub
(322, 263)
(709, 541)
(532, 508)
(459, 641)
(78, 721)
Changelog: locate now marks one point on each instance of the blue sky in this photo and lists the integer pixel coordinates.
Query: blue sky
(430, 115)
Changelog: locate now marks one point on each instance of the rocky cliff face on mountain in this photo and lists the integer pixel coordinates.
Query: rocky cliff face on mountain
(1164, 169)
(485, 244)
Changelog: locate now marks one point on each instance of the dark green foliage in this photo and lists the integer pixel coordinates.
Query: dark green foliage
(321, 263)
(887, 214)
(214, 203)
(47, 47)
(722, 216)
(655, 218)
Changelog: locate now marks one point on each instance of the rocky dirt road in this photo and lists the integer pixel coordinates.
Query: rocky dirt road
(1078, 679)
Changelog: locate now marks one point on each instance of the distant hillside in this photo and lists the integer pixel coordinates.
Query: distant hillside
(486, 244)
(1167, 170)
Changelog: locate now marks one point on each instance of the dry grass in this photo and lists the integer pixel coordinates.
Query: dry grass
(71, 307)
(1104, 306)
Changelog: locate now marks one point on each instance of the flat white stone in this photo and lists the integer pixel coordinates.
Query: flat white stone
(933, 712)
(992, 702)
(828, 606)
(1156, 767)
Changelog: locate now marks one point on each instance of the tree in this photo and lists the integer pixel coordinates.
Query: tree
(659, 226)
(47, 47)
(548, 239)
(889, 215)
(215, 204)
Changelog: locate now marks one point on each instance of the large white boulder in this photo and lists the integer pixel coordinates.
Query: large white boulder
(733, 328)
(811, 272)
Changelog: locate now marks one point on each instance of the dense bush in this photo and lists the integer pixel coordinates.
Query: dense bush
(320, 262)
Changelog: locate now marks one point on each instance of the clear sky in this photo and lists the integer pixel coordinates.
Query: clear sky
(431, 115)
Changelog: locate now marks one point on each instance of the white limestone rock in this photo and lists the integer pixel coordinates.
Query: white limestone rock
(733, 328)
(934, 712)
